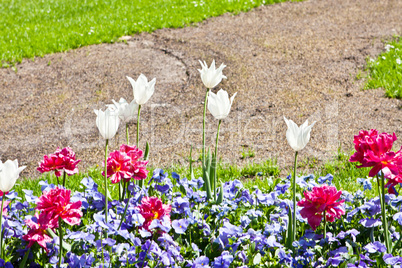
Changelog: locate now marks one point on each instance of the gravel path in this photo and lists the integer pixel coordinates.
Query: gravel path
(298, 60)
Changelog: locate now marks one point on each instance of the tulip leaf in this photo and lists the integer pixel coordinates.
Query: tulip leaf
(191, 163)
(146, 154)
(24, 260)
(289, 231)
(66, 245)
(207, 186)
(220, 197)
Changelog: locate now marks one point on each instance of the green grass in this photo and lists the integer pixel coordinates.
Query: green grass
(386, 71)
(32, 28)
(262, 175)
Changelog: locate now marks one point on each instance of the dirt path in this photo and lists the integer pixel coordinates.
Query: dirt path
(297, 60)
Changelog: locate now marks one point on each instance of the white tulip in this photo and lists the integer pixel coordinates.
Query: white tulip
(219, 104)
(107, 122)
(298, 137)
(9, 173)
(211, 77)
(126, 111)
(142, 89)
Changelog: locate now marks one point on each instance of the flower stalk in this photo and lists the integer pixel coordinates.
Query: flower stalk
(106, 187)
(127, 136)
(384, 216)
(1, 225)
(294, 228)
(138, 125)
(125, 211)
(64, 179)
(60, 241)
(203, 126)
(216, 157)
(325, 225)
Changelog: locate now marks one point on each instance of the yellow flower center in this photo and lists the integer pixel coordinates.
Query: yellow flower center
(155, 215)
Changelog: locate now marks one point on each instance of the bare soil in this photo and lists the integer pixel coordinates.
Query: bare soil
(298, 60)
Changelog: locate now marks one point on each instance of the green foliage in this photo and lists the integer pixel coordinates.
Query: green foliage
(249, 153)
(31, 28)
(386, 71)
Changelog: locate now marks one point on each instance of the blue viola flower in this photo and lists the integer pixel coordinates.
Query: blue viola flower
(372, 207)
(83, 261)
(353, 233)
(284, 258)
(137, 219)
(144, 233)
(180, 205)
(326, 179)
(335, 260)
(158, 176)
(375, 247)
(201, 262)
(398, 217)
(265, 199)
(223, 261)
(244, 221)
(366, 183)
(29, 197)
(180, 226)
(245, 197)
(369, 222)
(163, 224)
(391, 260)
(282, 188)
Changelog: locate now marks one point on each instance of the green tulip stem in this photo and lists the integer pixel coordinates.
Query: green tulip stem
(325, 226)
(378, 189)
(216, 157)
(124, 190)
(64, 179)
(127, 136)
(106, 198)
(294, 229)
(203, 126)
(384, 216)
(43, 255)
(120, 193)
(125, 211)
(60, 241)
(138, 125)
(1, 225)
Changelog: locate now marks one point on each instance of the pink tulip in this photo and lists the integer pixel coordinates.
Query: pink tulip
(118, 167)
(317, 201)
(138, 168)
(61, 160)
(38, 226)
(152, 208)
(56, 203)
(374, 150)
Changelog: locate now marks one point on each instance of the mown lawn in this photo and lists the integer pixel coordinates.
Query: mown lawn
(31, 28)
(386, 71)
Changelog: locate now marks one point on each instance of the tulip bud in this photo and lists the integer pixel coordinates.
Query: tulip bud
(126, 111)
(107, 123)
(219, 104)
(142, 89)
(211, 77)
(298, 137)
(9, 173)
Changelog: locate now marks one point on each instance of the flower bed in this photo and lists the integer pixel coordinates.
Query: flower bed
(172, 221)
(175, 227)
